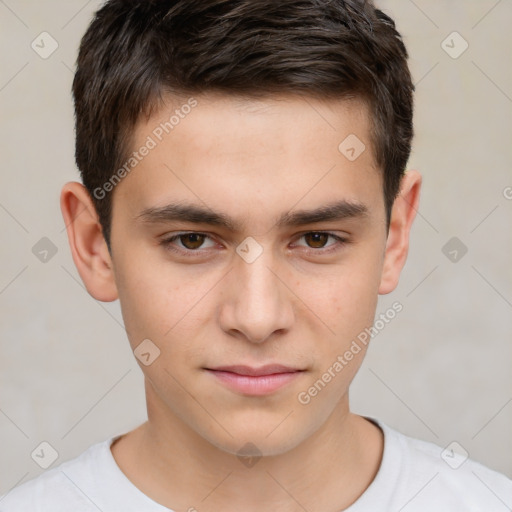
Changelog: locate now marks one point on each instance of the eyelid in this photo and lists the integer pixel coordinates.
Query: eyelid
(167, 242)
(338, 238)
(340, 242)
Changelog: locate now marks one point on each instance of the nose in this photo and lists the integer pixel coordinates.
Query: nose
(256, 302)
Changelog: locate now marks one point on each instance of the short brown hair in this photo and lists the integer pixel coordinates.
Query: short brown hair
(135, 50)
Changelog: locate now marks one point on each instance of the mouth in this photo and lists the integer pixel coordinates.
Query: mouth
(254, 381)
(269, 369)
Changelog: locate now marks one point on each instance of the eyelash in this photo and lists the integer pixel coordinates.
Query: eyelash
(167, 243)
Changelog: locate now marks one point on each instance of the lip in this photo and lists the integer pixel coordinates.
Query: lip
(255, 381)
(268, 369)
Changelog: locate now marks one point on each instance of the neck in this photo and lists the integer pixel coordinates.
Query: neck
(176, 467)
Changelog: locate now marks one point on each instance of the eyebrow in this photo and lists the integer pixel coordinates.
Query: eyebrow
(196, 214)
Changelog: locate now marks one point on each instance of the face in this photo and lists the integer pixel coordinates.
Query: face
(282, 267)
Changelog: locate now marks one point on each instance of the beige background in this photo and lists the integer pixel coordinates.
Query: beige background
(440, 371)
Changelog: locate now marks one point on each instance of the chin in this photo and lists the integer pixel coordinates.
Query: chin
(258, 438)
(258, 447)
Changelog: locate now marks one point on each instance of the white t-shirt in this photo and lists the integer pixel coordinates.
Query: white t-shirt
(414, 476)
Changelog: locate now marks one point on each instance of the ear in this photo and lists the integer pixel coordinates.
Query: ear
(397, 245)
(88, 247)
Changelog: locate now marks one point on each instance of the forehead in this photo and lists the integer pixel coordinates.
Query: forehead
(261, 153)
(230, 123)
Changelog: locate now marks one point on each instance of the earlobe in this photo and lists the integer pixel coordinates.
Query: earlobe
(88, 247)
(402, 216)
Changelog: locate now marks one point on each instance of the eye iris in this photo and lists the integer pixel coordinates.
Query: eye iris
(194, 239)
(317, 238)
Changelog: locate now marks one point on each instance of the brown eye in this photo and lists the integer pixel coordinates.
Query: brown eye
(317, 240)
(188, 244)
(192, 240)
(318, 243)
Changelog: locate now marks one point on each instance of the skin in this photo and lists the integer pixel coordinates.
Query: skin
(252, 160)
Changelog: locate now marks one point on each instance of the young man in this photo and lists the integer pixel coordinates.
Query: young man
(245, 198)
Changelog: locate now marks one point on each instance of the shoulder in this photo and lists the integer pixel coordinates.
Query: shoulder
(446, 477)
(59, 489)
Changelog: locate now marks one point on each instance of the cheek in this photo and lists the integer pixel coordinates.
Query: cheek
(160, 301)
(146, 299)
(346, 304)
(345, 298)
